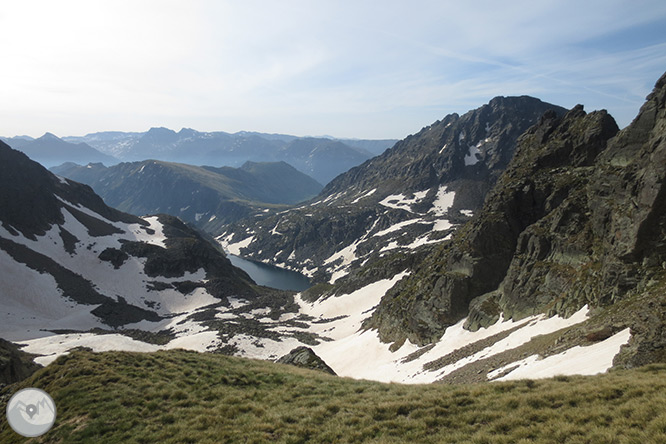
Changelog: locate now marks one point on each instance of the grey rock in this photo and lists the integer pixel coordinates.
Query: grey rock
(305, 357)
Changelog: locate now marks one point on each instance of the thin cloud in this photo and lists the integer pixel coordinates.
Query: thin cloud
(356, 69)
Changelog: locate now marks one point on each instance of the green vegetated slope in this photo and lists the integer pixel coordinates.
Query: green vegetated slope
(187, 397)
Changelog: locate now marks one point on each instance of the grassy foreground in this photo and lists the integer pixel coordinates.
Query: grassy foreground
(187, 397)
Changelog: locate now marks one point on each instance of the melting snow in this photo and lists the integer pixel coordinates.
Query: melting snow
(397, 227)
(362, 355)
(235, 248)
(402, 202)
(368, 194)
(578, 360)
(141, 235)
(443, 201)
(54, 346)
(471, 158)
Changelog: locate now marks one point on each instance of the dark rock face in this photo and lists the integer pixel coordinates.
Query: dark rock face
(306, 358)
(30, 184)
(15, 365)
(464, 153)
(544, 181)
(421, 161)
(578, 217)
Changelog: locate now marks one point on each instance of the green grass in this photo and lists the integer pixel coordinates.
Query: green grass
(186, 397)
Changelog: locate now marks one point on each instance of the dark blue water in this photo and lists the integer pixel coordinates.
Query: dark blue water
(271, 276)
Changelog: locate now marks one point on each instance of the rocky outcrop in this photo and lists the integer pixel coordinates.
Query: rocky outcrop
(306, 358)
(15, 365)
(578, 218)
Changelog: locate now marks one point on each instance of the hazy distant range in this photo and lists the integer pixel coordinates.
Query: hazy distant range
(322, 158)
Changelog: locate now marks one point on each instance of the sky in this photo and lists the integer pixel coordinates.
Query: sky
(357, 69)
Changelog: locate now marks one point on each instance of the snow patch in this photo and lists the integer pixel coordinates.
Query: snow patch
(54, 346)
(472, 156)
(368, 194)
(443, 201)
(590, 360)
(397, 227)
(236, 247)
(275, 232)
(402, 202)
(362, 355)
(141, 235)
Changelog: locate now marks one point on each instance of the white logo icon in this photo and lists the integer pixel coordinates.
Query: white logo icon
(31, 412)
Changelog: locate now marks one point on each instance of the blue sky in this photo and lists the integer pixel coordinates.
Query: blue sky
(367, 69)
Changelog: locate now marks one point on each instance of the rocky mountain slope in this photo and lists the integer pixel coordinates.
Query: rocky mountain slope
(577, 219)
(321, 158)
(50, 150)
(207, 197)
(414, 194)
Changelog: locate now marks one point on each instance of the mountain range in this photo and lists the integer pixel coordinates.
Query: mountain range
(50, 150)
(517, 240)
(321, 158)
(207, 197)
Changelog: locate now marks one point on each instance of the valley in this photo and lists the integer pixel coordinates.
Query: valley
(333, 222)
(487, 247)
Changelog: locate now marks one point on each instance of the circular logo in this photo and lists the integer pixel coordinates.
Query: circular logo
(31, 412)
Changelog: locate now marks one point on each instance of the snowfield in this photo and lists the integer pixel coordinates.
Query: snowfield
(34, 309)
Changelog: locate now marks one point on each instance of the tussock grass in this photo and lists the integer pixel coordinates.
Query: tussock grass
(186, 397)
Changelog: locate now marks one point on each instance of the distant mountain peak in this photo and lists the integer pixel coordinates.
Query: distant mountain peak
(49, 136)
